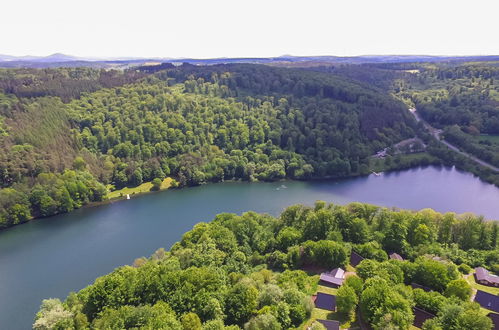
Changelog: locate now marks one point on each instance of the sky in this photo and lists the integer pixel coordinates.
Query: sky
(257, 28)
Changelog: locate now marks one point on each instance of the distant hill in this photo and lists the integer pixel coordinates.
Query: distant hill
(63, 60)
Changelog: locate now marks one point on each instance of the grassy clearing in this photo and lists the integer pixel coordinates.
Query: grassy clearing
(143, 188)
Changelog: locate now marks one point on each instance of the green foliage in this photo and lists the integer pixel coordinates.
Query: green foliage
(384, 307)
(223, 273)
(460, 289)
(346, 301)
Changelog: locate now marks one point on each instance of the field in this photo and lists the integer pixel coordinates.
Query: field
(143, 188)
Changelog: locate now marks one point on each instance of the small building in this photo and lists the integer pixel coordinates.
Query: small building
(419, 286)
(325, 301)
(333, 278)
(396, 256)
(420, 316)
(330, 324)
(487, 300)
(483, 276)
(355, 258)
(495, 320)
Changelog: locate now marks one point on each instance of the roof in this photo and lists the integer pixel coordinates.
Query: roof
(482, 274)
(325, 301)
(396, 256)
(326, 277)
(419, 286)
(355, 258)
(420, 316)
(495, 320)
(338, 273)
(330, 324)
(487, 300)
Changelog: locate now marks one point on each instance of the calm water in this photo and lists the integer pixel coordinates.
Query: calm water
(53, 256)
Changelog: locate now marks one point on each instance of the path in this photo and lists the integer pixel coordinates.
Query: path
(436, 134)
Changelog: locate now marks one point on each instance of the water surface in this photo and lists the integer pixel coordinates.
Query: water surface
(53, 256)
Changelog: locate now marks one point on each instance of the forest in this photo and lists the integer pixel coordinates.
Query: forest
(254, 271)
(461, 99)
(196, 124)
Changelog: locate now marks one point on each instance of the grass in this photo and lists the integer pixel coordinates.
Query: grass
(143, 188)
(475, 285)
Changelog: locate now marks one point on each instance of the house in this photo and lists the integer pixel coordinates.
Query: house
(487, 300)
(420, 316)
(333, 278)
(419, 286)
(495, 320)
(330, 324)
(396, 256)
(483, 276)
(325, 301)
(355, 258)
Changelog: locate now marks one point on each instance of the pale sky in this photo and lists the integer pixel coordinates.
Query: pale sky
(257, 28)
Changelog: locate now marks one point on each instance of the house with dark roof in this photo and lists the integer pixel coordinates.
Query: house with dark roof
(483, 276)
(325, 301)
(355, 258)
(396, 256)
(330, 324)
(420, 316)
(495, 320)
(487, 300)
(333, 278)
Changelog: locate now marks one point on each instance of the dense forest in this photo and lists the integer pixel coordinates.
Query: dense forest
(461, 99)
(67, 133)
(255, 271)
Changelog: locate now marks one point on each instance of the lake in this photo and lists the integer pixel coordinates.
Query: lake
(50, 257)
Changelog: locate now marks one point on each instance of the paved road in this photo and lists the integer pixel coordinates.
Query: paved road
(437, 132)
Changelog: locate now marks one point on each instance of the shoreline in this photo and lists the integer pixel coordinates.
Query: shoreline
(329, 178)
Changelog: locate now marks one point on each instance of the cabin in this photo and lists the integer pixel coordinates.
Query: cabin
(420, 316)
(396, 256)
(495, 320)
(355, 258)
(419, 286)
(325, 301)
(330, 324)
(483, 276)
(333, 278)
(487, 300)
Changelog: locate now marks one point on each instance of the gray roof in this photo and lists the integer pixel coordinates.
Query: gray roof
(330, 324)
(326, 277)
(482, 274)
(325, 301)
(487, 300)
(396, 256)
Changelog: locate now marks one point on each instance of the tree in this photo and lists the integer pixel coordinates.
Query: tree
(263, 322)
(52, 315)
(191, 321)
(460, 289)
(241, 302)
(156, 184)
(79, 164)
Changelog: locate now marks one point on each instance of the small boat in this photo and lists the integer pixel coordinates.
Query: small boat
(376, 173)
(127, 196)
